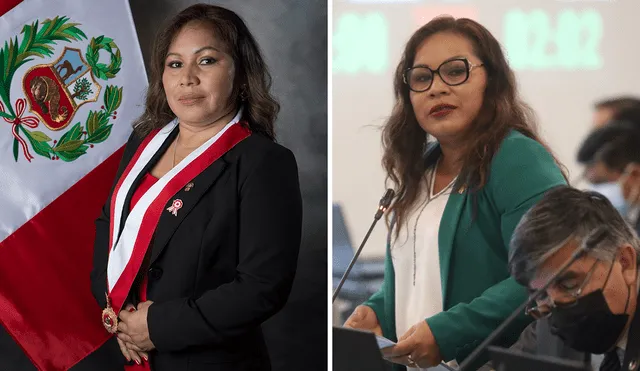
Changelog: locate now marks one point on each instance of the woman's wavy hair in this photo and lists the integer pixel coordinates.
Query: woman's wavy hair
(405, 142)
(252, 79)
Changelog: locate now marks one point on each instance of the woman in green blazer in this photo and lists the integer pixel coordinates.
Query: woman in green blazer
(459, 197)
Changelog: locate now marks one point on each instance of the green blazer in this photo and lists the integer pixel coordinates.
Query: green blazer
(473, 242)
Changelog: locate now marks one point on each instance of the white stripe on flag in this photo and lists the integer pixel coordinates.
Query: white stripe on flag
(28, 187)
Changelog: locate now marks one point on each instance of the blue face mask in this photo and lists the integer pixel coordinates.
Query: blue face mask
(613, 192)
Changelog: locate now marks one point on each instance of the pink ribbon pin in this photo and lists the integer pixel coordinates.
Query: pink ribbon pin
(175, 206)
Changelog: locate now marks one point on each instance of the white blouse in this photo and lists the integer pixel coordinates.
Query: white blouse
(416, 261)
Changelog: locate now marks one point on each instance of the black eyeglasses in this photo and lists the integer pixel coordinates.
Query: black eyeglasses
(452, 72)
(543, 306)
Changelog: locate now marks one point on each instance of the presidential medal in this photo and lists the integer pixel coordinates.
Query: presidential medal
(109, 318)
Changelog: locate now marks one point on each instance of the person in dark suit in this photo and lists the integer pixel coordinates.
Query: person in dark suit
(592, 307)
(198, 243)
(607, 153)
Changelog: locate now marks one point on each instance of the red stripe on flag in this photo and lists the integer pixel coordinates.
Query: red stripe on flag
(45, 291)
(6, 5)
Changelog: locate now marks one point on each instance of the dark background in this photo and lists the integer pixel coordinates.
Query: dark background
(293, 38)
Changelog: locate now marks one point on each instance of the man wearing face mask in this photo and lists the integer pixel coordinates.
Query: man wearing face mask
(611, 156)
(613, 110)
(608, 153)
(592, 307)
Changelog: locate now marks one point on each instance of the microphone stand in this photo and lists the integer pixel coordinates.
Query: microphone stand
(591, 241)
(385, 201)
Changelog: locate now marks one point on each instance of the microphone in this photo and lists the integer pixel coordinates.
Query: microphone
(385, 201)
(592, 240)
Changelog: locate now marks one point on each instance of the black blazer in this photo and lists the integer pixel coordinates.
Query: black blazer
(224, 265)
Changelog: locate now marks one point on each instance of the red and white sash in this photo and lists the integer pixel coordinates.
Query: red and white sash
(128, 248)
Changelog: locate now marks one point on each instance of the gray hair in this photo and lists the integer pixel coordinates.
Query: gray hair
(566, 214)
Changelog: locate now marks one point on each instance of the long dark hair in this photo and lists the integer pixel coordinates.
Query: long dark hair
(252, 77)
(404, 141)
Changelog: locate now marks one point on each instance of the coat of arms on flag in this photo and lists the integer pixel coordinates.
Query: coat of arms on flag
(64, 121)
(55, 90)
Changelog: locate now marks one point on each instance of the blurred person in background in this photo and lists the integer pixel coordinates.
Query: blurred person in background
(610, 153)
(610, 109)
(616, 109)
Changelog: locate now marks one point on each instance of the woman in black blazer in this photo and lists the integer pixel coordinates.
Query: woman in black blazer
(198, 244)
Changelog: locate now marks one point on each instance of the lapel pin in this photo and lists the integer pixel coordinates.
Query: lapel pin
(462, 189)
(188, 187)
(175, 206)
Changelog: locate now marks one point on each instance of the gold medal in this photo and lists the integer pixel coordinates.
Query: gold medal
(109, 318)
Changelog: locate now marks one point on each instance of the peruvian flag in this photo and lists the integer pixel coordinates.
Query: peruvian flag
(72, 80)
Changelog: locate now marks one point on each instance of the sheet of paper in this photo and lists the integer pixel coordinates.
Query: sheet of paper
(441, 367)
(384, 342)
